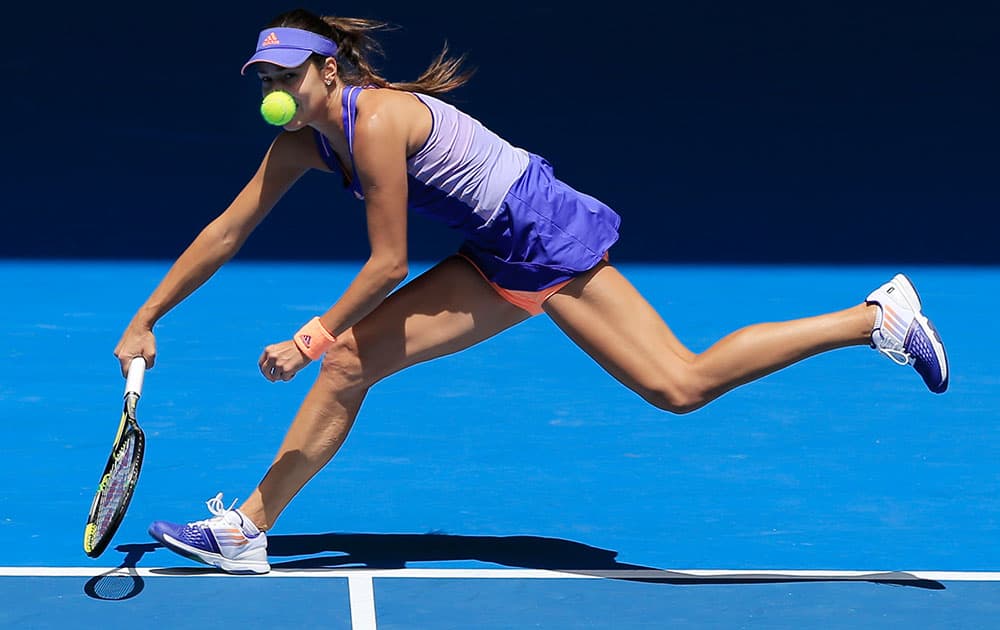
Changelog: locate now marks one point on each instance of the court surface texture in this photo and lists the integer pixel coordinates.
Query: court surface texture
(515, 484)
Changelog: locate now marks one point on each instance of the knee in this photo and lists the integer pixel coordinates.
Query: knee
(341, 366)
(678, 396)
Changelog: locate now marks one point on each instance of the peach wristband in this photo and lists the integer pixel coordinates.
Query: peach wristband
(313, 339)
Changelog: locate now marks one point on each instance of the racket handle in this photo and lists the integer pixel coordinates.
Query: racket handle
(136, 373)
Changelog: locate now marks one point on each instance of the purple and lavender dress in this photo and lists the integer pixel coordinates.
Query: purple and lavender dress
(525, 229)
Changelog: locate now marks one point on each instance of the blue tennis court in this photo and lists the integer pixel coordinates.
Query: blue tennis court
(514, 484)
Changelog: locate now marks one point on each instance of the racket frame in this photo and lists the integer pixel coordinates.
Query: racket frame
(128, 428)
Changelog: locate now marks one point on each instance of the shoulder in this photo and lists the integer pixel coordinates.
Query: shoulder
(393, 115)
(374, 101)
(297, 149)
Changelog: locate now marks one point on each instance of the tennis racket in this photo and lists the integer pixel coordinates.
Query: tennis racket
(121, 472)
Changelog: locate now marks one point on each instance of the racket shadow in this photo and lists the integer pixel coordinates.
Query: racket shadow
(123, 582)
(394, 551)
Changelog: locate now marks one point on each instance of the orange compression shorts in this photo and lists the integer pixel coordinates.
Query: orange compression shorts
(530, 301)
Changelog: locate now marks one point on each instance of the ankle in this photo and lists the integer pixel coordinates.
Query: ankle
(254, 519)
(873, 315)
(871, 320)
(247, 524)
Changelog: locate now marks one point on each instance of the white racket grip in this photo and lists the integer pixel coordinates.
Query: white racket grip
(136, 373)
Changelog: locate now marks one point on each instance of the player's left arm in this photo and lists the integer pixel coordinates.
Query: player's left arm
(380, 146)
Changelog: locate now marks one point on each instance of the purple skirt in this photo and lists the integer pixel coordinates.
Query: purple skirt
(545, 232)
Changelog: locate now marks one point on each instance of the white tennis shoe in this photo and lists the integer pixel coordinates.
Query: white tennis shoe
(905, 335)
(229, 540)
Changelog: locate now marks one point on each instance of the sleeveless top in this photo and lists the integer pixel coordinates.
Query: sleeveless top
(524, 228)
(463, 168)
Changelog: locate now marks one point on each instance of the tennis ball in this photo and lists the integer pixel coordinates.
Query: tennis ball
(278, 108)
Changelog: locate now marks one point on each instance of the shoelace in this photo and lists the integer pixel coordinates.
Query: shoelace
(217, 508)
(900, 357)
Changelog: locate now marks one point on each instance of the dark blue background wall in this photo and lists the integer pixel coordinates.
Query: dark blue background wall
(721, 130)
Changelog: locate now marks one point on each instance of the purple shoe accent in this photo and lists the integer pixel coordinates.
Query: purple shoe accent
(925, 360)
(191, 535)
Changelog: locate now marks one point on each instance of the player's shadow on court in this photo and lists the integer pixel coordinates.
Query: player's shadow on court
(395, 551)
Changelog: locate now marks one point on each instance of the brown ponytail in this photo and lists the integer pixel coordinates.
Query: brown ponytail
(357, 47)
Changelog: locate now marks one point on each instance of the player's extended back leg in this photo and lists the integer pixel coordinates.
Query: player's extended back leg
(608, 318)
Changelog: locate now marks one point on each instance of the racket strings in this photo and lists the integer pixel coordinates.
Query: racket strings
(117, 486)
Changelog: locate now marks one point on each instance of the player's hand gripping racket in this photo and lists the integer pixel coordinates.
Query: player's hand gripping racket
(121, 472)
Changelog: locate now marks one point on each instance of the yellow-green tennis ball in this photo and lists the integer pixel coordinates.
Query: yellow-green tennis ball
(278, 108)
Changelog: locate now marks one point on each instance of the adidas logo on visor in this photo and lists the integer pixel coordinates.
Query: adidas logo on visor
(270, 40)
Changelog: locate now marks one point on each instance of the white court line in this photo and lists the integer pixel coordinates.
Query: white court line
(517, 574)
(362, 594)
(361, 590)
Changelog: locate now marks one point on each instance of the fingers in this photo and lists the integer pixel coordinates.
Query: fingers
(281, 361)
(136, 342)
(274, 373)
(126, 359)
(266, 364)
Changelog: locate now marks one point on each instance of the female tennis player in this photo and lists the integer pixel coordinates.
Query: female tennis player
(532, 244)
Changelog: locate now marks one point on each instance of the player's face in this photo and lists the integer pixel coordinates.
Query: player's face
(303, 83)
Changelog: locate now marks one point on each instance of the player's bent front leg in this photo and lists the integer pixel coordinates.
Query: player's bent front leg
(608, 318)
(445, 310)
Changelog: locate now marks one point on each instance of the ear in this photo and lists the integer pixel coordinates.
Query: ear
(329, 71)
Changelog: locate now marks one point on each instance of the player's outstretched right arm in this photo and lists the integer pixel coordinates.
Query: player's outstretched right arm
(289, 157)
